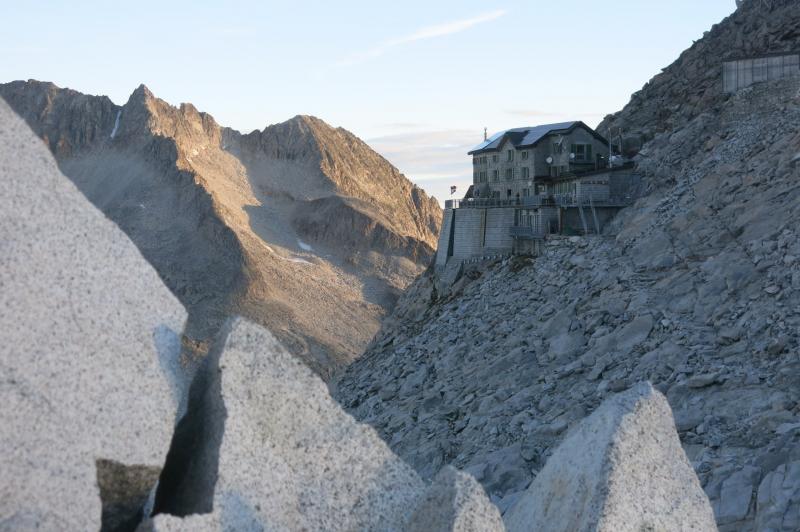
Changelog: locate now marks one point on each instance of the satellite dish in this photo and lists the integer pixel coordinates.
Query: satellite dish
(571, 156)
(549, 160)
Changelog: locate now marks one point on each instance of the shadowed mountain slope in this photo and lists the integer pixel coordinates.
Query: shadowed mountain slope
(695, 287)
(300, 227)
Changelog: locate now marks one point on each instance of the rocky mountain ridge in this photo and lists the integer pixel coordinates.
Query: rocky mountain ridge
(108, 429)
(300, 226)
(696, 288)
(693, 83)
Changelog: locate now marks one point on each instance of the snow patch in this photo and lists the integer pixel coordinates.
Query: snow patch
(296, 260)
(304, 246)
(116, 124)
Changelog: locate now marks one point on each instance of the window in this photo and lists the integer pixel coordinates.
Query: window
(526, 172)
(583, 152)
(494, 158)
(475, 161)
(484, 159)
(525, 155)
(495, 175)
(526, 192)
(475, 176)
(509, 173)
(510, 154)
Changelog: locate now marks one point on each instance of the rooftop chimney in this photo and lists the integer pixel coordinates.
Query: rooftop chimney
(484, 134)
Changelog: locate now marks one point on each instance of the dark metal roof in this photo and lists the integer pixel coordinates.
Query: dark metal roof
(525, 137)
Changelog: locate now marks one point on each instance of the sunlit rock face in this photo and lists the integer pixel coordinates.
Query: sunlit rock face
(300, 227)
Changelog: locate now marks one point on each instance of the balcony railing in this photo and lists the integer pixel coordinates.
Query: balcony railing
(530, 201)
(555, 200)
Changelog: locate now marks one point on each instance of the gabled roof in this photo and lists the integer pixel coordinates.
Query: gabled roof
(526, 137)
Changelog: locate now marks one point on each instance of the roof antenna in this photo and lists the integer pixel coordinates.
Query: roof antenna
(485, 136)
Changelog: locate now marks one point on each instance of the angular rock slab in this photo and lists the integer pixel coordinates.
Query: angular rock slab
(779, 499)
(621, 469)
(291, 459)
(455, 502)
(89, 338)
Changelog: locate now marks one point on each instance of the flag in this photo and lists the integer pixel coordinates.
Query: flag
(453, 189)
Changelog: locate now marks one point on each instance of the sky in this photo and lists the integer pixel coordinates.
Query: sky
(417, 80)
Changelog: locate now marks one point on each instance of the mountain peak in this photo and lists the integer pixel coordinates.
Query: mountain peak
(304, 123)
(141, 93)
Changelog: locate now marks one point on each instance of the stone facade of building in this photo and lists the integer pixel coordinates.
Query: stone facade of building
(518, 163)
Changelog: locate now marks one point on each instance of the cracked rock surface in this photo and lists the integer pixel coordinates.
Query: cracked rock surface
(90, 340)
(291, 459)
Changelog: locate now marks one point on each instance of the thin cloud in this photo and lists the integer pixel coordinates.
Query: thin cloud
(437, 157)
(433, 159)
(428, 32)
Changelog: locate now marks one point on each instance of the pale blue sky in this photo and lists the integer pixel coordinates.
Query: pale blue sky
(418, 80)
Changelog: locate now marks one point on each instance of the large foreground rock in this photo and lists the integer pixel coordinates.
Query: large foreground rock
(88, 334)
(289, 458)
(620, 469)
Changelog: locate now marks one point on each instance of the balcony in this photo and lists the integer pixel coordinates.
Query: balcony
(568, 199)
(530, 201)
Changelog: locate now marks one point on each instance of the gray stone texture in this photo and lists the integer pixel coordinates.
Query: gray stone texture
(526, 348)
(291, 459)
(455, 502)
(621, 469)
(89, 356)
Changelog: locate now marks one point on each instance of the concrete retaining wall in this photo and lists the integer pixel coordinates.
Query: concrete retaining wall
(444, 249)
(468, 232)
(471, 232)
(498, 230)
(737, 75)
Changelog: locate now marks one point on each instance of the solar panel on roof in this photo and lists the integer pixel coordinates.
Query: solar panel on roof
(536, 133)
(485, 143)
(531, 135)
